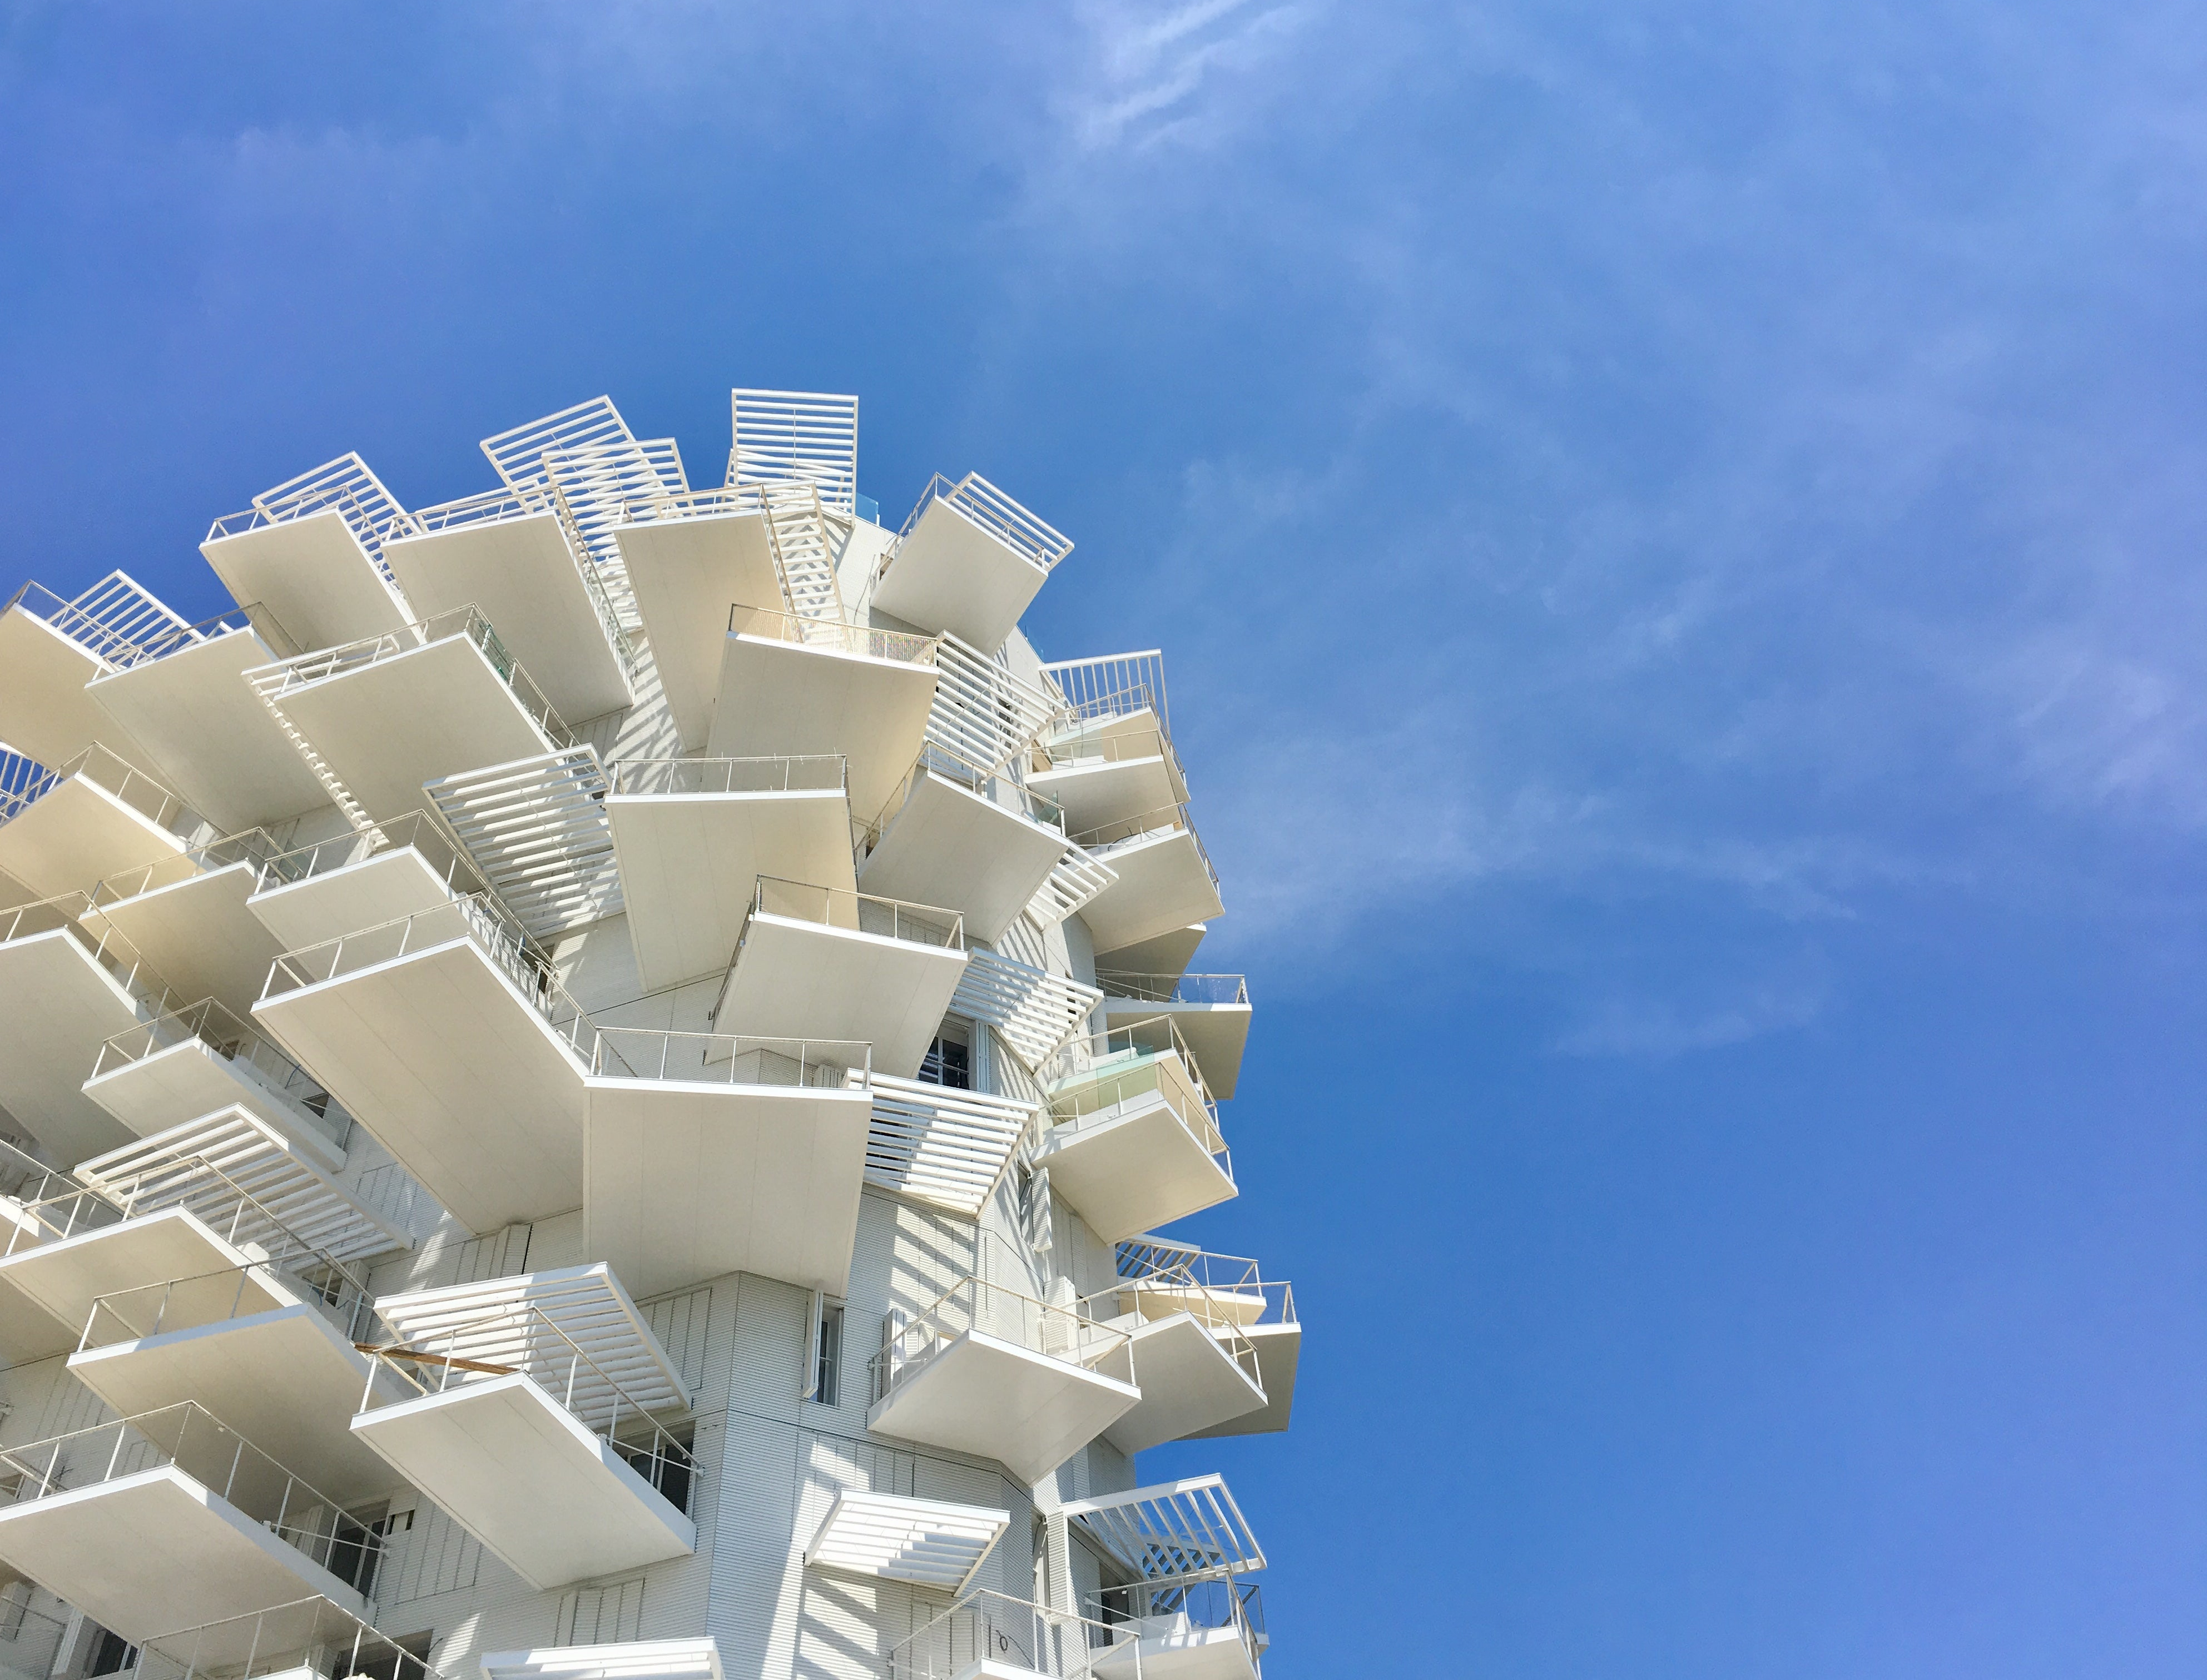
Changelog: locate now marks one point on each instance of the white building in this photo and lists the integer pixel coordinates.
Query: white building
(591, 1075)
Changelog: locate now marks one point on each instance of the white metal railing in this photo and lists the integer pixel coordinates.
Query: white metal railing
(416, 831)
(1112, 685)
(1071, 1334)
(254, 619)
(207, 1022)
(255, 846)
(1026, 533)
(64, 913)
(1174, 987)
(310, 1634)
(945, 765)
(26, 1180)
(1013, 1634)
(1098, 1074)
(1217, 1310)
(728, 1058)
(113, 774)
(1088, 746)
(345, 486)
(1232, 1282)
(50, 1204)
(1108, 837)
(108, 620)
(854, 912)
(190, 1438)
(647, 778)
(766, 625)
(219, 1297)
(1164, 1614)
(1180, 1531)
(23, 781)
(658, 502)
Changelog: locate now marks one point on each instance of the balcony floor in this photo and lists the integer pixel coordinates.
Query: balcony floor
(74, 836)
(1171, 954)
(1277, 1348)
(1216, 1033)
(952, 847)
(687, 574)
(385, 887)
(780, 698)
(43, 709)
(997, 1399)
(796, 979)
(200, 935)
(1131, 1168)
(64, 1277)
(950, 574)
(193, 1078)
(312, 575)
(58, 1007)
(1162, 885)
(1190, 1381)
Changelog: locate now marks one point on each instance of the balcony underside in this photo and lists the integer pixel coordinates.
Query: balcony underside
(193, 1078)
(528, 1480)
(690, 863)
(43, 709)
(312, 575)
(1277, 1348)
(1098, 793)
(1168, 955)
(687, 574)
(454, 1073)
(224, 750)
(1199, 1653)
(1131, 1167)
(952, 847)
(1216, 1033)
(146, 1554)
(781, 697)
(1189, 1381)
(522, 575)
(997, 1399)
(200, 935)
(689, 1181)
(284, 1379)
(387, 728)
(74, 836)
(950, 574)
(796, 979)
(385, 887)
(64, 1277)
(58, 1007)
(1164, 884)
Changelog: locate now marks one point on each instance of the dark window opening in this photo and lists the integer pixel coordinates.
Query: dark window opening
(665, 1462)
(948, 1063)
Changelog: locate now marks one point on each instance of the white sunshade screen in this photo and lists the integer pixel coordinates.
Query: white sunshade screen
(1187, 1529)
(806, 437)
(638, 1660)
(537, 1324)
(942, 1145)
(1034, 1011)
(537, 831)
(920, 1540)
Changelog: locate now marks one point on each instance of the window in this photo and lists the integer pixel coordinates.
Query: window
(111, 1654)
(355, 1550)
(665, 1462)
(949, 1059)
(827, 1370)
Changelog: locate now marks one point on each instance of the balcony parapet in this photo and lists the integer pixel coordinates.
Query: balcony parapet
(308, 1635)
(288, 1094)
(1026, 533)
(1112, 685)
(896, 646)
(987, 1634)
(112, 621)
(345, 486)
(416, 831)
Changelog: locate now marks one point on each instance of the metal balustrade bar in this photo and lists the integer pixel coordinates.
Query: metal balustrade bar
(1151, 1262)
(209, 1023)
(114, 775)
(345, 485)
(1147, 825)
(1012, 1634)
(1112, 685)
(1071, 1334)
(249, 846)
(1025, 533)
(1174, 987)
(1169, 1611)
(160, 643)
(728, 1058)
(1091, 1076)
(309, 1634)
(416, 830)
(109, 620)
(856, 912)
(646, 778)
(65, 913)
(767, 625)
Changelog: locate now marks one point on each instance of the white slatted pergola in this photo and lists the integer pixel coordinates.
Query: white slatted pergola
(536, 829)
(927, 1542)
(1077, 879)
(1034, 1011)
(942, 1145)
(806, 437)
(982, 713)
(1173, 1530)
(348, 485)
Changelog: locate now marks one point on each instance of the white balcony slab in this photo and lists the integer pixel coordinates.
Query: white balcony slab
(633, 1659)
(145, 1554)
(687, 574)
(76, 835)
(1278, 1346)
(1190, 1381)
(1169, 954)
(691, 1181)
(790, 698)
(950, 574)
(63, 1278)
(385, 887)
(928, 1542)
(981, 1394)
(44, 711)
(198, 933)
(799, 979)
(1093, 793)
(453, 1070)
(57, 1007)
(1164, 883)
(951, 847)
(223, 749)
(1133, 1166)
(312, 575)
(1168, 1649)
(185, 1081)
(521, 574)
(690, 864)
(542, 1493)
(1216, 1033)
(385, 728)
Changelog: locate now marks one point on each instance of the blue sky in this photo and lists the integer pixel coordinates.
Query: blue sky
(1674, 532)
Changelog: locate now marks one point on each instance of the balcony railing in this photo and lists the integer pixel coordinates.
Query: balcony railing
(944, 764)
(1071, 1334)
(993, 1628)
(160, 643)
(210, 1023)
(307, 1635)
(1148, 825)
(26, 1180)
(896, 645)
(64, 913)
(730, 1059)
(275, 682)
(50, 1204)
(345, 486)
(666, 502)
(194, 1441)
(416, 829)
(110, 620)
(644, 778)
(1169, 1611)
(108, 772)
(1105, 1069)
(254, 846)
(219, 1297)
(1112, 685)
(1237, 1283)
(1215, 1310)
(1089, 746)
(855, 912)
(1174, 987)
(1026, 533)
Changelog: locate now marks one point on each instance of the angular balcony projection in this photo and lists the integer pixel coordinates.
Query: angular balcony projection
(1165, 878)
(968, 561)
(1165, 956)
(183, 696)
(687, 557)
(190, 1062)
(188, 913)
(94, 1248)
(1209, 1629)
(1134, 1139)
(171, 1518)
(1210, 1010)
(388, 713)
(318, 893)
(65, 990)
(1198, 1365)
(534, 1422)
(537, 832)
(507, 552)
(51, 648)
(810, 687)
(447, 1036)
(991, 1636)
(942, 1145)
(926, 1542)
(311, 552)
(308, 1636)
(633, 1659)
(40, 1204)
(693, 836)
(709, 1154)
(816, 961)
(988, 1371)
(1187, 1609)
(1159, 1278)
(954, 834)
(1110, 755)
(93, 816)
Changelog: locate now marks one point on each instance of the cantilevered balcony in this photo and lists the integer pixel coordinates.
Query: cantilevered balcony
(1198, 1366)
(308, 1636)
(710, 1154)
(311, 551)
(65, 990)
(1210, 1010)
(990, 1636)
(812, 686)
(318, 893)
(40, 1204)
(1184, 1606)
(694, 835)
(187, 913)
(390, 711)
(1209, 1629)
(537, 1420)
(1164, 879)
(447, 1036)
(172, 1518)
(819, 962)
(688, 555)
(985, 1370)
(1106, 769)
(51, 648)
(968, 561)
(954, 834)
(73, 1250)
(65, 830)
(191, 1061)
(1134, 1139)
(180, 693)
(1159, 1278)
(505, 552)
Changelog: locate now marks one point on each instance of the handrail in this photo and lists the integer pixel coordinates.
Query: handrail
(1147, 825)
(1079, 1089)
(810, 773)
(210, 1023)
(1174, 987)
(1008, 1634)
(1145, 1610)
(249, 846)
(855, 912)
(65, 1213)
(19, 1171)
(1097, 1055)
(348, 1304)
(665, 503)
(1069, 749)
(253, 619)
(416, 829)
(106, 620)
(1025, 533)
(112, 773)
(768, 624)
(945, 765)
(1066, 1334)
(1145, 1261)
(64, 913)
(1112, 684)
(1214, 1309)
(660, 1052)
(309, 1633)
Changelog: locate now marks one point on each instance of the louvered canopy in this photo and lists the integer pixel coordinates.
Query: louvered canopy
(924, 1542)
